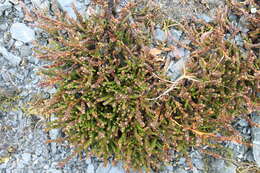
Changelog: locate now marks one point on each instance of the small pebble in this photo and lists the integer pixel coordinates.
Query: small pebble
(253, 10)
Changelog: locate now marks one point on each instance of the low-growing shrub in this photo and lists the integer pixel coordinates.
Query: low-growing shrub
(113, 99)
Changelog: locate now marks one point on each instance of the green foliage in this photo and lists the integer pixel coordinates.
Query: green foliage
(110, 102)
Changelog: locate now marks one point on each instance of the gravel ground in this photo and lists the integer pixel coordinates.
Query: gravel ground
(23, 145)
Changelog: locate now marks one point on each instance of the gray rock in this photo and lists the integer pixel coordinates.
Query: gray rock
(178, 53)
(52, 90)
(88, 161)
(249, 156)
(239, 150)
(239, 41)
(168, 169)
(54, 171)
(220, 166)
(66, 5)
(256, 138)
(197, 160)
(30, 170)
(247, 132)
(44, 6)
(186, 41)
(182, 161)
(26, 157)
(22, 32)
(198, 163)
(25, 51)
(232, 17)
(33, 60)
(7, 40)
(195, 170)
(5, 6)
(117, 169)
(160, 35)
(180, 170)
(54, 134)
(20, 165)
(215, 2)
(174, 34)
(13, 59)
(87, 2)
(17, 74)
(3, 26)
(205, 17)
(243, 123)
(175, 70)
(9, 13)
(91, 169)
(243, 23)
(20, 11)
(102, 169)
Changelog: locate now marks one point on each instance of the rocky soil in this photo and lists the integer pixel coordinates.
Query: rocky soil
(23, 147)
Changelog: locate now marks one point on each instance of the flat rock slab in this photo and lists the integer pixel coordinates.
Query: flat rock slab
(23, 33)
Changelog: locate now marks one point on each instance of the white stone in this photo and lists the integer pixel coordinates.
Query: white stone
(102, 169)
(253, 10)
(21, 32)
(66, 5)
(116, 169)
(90, 169)
(17, 44)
